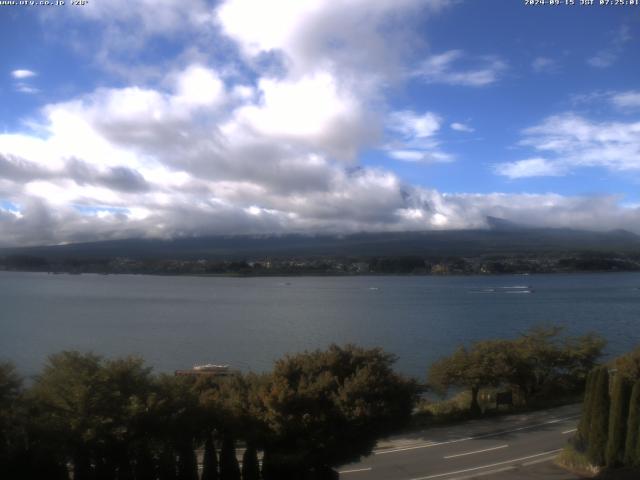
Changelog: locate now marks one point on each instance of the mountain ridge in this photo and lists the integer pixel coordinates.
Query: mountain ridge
(502, 237)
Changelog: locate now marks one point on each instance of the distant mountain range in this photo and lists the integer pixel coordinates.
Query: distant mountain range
(501, 238)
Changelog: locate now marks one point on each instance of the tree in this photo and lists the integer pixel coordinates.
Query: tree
(92, 406)
(210, 460)
(632, 444)
(543, 362)
(325, 408)
(618, 416)
(628, 365)
(144, 465)
(584, 424)
(11, 436)
(599, 429)
(484, 364)
(167, 468)
(187, 462)
(250, 465)
(229, 468)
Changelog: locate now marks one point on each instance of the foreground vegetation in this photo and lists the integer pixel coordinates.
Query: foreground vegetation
(96, 418)
(536, 368)
(113, 419)
(608, 435)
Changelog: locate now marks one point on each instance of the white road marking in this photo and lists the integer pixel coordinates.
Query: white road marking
(368, 469)
(484, 474)
(465, 439)
(487, 466)
(570, 431)
(477, 451)
(540, 460)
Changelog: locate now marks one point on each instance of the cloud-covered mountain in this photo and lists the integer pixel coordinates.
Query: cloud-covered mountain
(246, 117)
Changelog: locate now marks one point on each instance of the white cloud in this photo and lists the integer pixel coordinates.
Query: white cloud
(570, 141)
(461, 127)
(446, 68)
(198, 86)
(417, 140)
(24, 88)
(156, 17)
(314, 109)
(267, 142)
(318, 35)
(413, 126)
(21, 74)
(21, 78)
(626, 100)
(531, 167)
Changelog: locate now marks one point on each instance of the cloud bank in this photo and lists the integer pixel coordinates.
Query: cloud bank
(271, 140)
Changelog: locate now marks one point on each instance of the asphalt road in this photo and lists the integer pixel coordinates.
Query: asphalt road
(505, 448)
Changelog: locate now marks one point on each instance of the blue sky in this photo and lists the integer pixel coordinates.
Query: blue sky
(121, 119)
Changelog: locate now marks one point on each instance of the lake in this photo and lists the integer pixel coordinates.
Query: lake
(175, 322)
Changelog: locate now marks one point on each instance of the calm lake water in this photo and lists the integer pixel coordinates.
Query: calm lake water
(175, 322)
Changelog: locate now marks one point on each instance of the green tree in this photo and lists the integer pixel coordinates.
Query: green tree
(584, 425)
(542, 362)
(167, 468)
(11, 435)
(229, 468)
(618, 416)
(632, 443)
(92, 406)
(187, 462)
(210, 460)
(325, 408)
(269, 471)
(599, 429)
(144, 464)
(628, 365)
(250, 465)
(484, 364)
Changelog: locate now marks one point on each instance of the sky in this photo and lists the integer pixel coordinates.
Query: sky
(165, 118)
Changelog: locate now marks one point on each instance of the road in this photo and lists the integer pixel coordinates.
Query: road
(505, 448)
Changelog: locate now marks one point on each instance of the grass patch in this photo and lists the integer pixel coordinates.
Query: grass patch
(577, 462)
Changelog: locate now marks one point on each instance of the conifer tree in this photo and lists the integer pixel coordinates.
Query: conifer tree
(210, 460)
(144, 466)
(167, 465)
(229, 468)
(582, 434)
(268, 472)
(633, 428)
(187, 463)
(599, 429)
(250, 466)
(618, 416)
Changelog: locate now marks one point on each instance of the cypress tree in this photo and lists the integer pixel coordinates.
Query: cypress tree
(187, 463)
(633, 428)
(167, 465)
(144, 467)
(229, 468)
(125, 472)
(618, 416)
(597, 442)
(82, 465)
(210, 460)
(582, 434)
(250, 466)
(268, 472)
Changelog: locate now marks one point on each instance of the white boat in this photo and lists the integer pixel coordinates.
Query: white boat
(209, 367)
